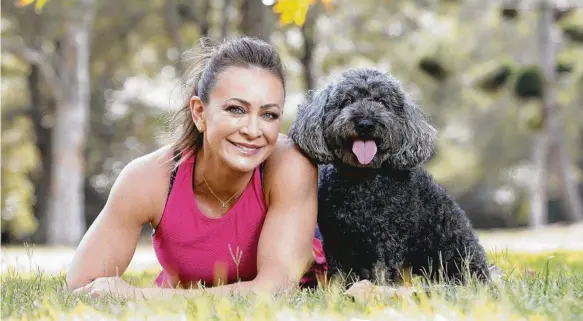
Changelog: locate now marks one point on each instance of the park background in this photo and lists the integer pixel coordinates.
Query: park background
(87, 86)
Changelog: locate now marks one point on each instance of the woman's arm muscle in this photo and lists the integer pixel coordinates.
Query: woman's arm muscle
(285, 244)
(109, 244)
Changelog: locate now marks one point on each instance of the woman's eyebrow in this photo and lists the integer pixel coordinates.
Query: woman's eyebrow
(246, 103)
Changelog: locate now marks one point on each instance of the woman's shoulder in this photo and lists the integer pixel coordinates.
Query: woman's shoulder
(287, 153)
(289, 174)
(288, 163)
(155, 164)
(147, 177)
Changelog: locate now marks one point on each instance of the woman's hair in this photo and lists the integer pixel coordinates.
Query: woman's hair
(205, 62)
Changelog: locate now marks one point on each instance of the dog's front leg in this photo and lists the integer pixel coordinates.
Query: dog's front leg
(453, 248)
(390, 258)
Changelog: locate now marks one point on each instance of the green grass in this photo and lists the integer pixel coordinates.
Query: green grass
(546, 286)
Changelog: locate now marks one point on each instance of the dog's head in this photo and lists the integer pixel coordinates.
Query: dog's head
(363, 119)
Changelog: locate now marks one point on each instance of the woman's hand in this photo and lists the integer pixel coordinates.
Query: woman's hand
(114, 286)
(364, 290)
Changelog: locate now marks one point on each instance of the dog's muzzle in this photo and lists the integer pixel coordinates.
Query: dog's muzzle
(364, 147)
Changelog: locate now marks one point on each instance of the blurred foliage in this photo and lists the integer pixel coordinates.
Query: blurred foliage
(38, 4)
(466, 63)
(17, 190)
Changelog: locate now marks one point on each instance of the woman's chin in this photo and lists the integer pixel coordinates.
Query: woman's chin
(244, 163)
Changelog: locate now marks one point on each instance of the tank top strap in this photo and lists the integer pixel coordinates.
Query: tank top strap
(184, 173)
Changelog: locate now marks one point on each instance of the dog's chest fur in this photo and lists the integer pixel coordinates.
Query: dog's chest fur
(365, 213)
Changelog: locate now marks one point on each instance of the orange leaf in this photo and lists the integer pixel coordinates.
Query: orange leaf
(38, 6)
(23, 3)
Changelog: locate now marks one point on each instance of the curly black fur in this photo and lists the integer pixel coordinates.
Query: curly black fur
(389, 214)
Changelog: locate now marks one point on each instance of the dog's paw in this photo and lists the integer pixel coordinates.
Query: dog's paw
(360, 289)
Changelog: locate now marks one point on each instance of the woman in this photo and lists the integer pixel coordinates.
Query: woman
(233, 203)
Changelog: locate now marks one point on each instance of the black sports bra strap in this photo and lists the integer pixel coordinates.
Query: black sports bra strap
(175, 160)
(261, 173)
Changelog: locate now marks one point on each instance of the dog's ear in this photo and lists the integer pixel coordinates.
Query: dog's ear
(307, 130)
(417, 140)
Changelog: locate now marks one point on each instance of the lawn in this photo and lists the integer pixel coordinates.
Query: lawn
(541, 286)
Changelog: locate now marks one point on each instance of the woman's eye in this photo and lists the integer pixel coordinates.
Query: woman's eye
(235, 110)
(271, 116)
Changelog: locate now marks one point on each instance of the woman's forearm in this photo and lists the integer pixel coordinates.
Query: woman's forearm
(240, 288)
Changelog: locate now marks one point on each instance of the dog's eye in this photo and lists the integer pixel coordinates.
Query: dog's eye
(347, 101)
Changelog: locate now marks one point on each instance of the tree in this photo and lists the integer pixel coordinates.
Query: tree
(309, 35)
(550, 138)
(257, 20)
(67, 76)
(173, 23)
(539, 79)
(549, 154)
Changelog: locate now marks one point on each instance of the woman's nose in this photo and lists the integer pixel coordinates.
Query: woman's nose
(251, 128)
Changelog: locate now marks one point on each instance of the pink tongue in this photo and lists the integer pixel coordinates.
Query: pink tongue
(364, 150)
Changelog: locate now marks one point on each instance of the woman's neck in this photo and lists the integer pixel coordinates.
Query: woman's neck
(222, 180)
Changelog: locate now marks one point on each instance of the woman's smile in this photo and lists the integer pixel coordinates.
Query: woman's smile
(246, 149)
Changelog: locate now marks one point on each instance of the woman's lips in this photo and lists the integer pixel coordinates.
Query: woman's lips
(246, 149)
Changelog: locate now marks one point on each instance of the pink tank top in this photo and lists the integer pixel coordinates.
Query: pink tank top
(192, 247)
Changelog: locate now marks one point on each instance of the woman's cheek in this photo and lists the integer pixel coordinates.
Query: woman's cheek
(271, 132)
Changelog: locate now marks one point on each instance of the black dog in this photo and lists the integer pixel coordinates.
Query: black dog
(379, 211)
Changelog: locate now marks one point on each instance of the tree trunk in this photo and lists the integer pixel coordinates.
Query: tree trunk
(552, 122)
(41, 109)
(309, 35)
(43, 133)
(538, 193)
(66, 204)
(173, 23)
(257, 20)
(571, 201)
(205, 26)
(225, 19)
(538, 188)
(580, 162)
(568, 186)
(189, 12)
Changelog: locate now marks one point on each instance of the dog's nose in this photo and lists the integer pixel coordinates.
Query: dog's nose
(364, 126)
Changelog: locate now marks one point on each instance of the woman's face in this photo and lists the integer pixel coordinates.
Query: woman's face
(241, 121)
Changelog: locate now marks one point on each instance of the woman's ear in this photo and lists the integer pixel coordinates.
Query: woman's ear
(197, 112)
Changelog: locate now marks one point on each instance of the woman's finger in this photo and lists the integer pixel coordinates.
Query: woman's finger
(83, 290)
(78, 292)
(95, 293)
